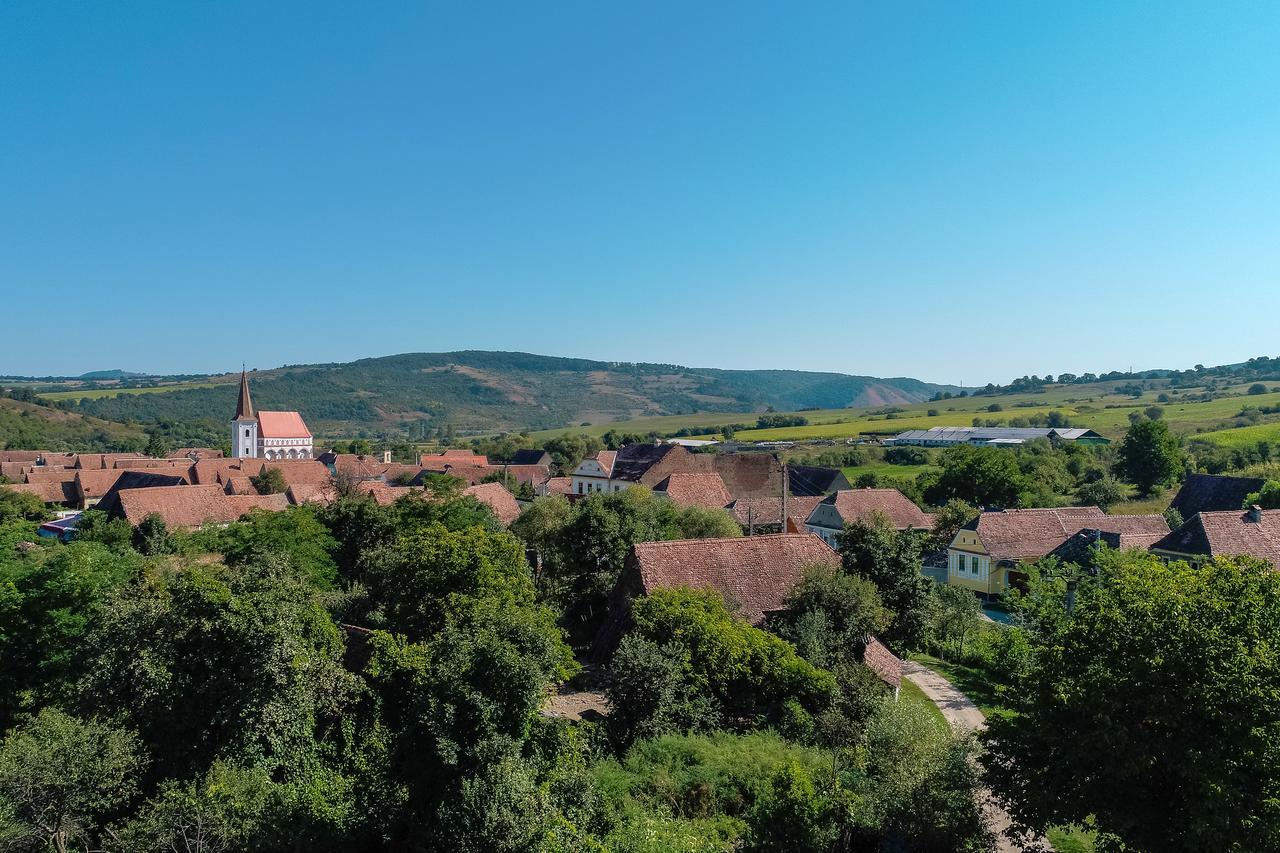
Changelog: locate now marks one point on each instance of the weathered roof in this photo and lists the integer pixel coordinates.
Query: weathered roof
(49, 491)
(312, 493)
(1213, 493)
(558, 486)
(453, 457)
(191, 506)
(706, 490)
(632, 462)
(282, 425)
(110, 501)
(530, 457)
(863, 504)
(92, 484)
(754, 573)
(497, 498)
(1126, 531)
(605, 459)
(1029, 534)
(769, 510)
(1227, 534)
(883, 662)
(810, 480)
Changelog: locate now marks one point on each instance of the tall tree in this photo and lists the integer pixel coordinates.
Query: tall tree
(1153, 709)
(891, 560)
(1150, 456)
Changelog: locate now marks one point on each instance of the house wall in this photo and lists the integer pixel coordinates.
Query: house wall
(970, 567)
(825, 521)
(589, 477)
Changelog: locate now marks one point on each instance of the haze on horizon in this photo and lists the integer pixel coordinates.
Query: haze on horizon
(948, 192)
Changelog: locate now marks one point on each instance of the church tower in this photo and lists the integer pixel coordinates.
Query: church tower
(244, 426)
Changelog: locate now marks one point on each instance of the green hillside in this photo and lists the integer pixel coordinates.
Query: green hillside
(476, 392)
(27, 426)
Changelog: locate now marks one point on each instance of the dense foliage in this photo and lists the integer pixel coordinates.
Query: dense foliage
(1149, 708)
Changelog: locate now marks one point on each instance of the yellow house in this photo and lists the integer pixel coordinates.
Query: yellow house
(985, 554)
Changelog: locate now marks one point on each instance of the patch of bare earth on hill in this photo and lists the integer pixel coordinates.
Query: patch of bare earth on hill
(882, 395)
(510, 390)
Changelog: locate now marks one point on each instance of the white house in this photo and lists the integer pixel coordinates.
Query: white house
(268, 435)
(593, 473)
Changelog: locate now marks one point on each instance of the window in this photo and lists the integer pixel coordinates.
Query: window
(960, 569)
(246, 433)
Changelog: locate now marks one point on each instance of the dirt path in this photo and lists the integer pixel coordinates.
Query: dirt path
(964, 716)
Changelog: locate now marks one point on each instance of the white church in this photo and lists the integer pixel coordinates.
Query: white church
(268, 435)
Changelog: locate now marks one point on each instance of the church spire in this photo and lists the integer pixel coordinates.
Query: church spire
(244, 408)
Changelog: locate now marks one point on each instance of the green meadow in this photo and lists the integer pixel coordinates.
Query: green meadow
(98, 393)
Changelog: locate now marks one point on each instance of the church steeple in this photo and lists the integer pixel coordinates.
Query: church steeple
(244, 407)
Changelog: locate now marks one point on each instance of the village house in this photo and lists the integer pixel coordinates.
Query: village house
(635, 464)
(191, 507)
(985, 554)
(755, 574)
(1253, 532)
(1213, 493)
(704, 490)
(764, 515)
(830, 516)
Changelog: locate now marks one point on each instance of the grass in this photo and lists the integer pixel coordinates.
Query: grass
(888, 470)
(912, 694)
(1241, 436)
(972, 681)
(98, 393)
(1072, 839)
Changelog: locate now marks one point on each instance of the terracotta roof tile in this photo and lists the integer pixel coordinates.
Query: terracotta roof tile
(883, 662)
(558, 486)
(769, 510)
(497, 498)
(49, 491)
(1029, 534)
(754, 573)
(1227, 534)
(862, 504)
(705, 490)
(187, 507)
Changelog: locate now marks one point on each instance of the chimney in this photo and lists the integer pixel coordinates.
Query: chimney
(386, 457)
(1255, 514)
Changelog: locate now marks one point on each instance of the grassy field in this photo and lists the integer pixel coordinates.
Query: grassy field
(1093, 406)
(885, 469)
(111, 392)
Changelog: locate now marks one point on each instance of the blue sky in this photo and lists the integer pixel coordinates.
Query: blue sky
(960, 192)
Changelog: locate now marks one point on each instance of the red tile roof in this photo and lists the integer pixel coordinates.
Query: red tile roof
(706, 490)
(497, 498)
(769, 510)
(187, 507)
(312, 493)
(437, 461)
(49, 491)
(883, 662)
(558, 486)
(92, 484)
(862, 504)
(1227, 534)
(606, 458)
(282, 425)
(1029, 534)
(754, 573)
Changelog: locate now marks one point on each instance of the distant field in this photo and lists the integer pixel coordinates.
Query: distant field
(1244, 435)
(885, 469)
(111, 392)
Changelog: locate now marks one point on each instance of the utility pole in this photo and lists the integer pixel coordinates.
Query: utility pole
(786, 487)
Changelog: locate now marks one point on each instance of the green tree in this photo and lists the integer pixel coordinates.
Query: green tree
(569, 450)
(956, 619)
(830, 614)
(983, 476)
(1152, 709)
(60, 777)
(1257, 388)
(746, 675)
(948, 520)
(1103, 492)
(151, 536)
(21, 506)
(158, 446)
(94, 526)
(1268, 497)
(891, 560)
(269, 481)
(1149, 457)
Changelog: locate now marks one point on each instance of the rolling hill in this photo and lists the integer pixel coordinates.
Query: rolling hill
(477, 392)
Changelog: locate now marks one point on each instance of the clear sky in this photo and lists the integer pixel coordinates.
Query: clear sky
(960, 192)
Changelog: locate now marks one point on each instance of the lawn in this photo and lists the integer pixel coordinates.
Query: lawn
(972, 681)
(886, 469)
(911, 694)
